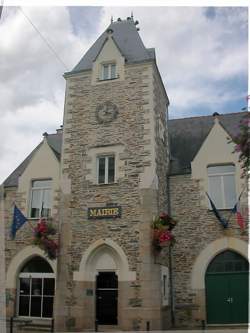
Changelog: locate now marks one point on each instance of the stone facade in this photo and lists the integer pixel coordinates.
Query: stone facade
(136, 131)
(197, 228)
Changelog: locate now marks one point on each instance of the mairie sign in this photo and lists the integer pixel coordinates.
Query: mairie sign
(104, 212)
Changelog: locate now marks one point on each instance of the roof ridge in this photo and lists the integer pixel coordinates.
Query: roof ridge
(206, 116)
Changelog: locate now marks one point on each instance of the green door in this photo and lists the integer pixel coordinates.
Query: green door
(227, 289)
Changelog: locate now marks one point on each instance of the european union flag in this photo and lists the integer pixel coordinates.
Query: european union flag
(18, 220)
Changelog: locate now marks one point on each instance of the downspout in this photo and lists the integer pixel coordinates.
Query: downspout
(170, 264)
(170, 254)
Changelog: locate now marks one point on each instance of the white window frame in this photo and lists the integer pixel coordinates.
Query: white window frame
(35, 276)
(221, 176)
(42, 188)
(106, 169)
(109, 65)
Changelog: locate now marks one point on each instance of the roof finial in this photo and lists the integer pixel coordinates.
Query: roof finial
(132, 16)
(112, 20)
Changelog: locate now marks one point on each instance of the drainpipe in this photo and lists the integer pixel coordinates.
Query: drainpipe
(170, 258)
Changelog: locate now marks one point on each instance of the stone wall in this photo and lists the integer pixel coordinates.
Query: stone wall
(141, 300)
(197, 227)
(24, 236)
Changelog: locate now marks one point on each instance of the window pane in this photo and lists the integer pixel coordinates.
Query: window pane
(24, 305)
(35, 310)
(101, 170)
(36, 286)
(37, 265)
(220, 169)
(229, 190)
(111, 169)
(105, 72)
(49, 286)
(47, 198)
(48, 307)
(113, 71)
(215, 191)
(36, 199)
(41, 183)
(24, 286)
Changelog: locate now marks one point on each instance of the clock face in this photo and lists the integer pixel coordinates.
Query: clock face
(106, 112)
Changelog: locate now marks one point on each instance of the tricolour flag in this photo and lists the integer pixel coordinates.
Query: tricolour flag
(18, 220)
(217, 214)
(239, 217)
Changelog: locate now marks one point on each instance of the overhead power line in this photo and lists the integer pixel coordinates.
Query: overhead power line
(44, 39)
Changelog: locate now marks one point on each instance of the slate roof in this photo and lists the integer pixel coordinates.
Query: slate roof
(54, 141)
(188, 134)
(186, 137)
(127, 39)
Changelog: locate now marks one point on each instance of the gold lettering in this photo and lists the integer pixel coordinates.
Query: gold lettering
(92, 212)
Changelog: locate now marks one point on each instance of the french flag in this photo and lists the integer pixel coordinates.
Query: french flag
(239, 217)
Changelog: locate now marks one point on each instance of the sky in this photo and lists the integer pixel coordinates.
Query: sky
(202, 55)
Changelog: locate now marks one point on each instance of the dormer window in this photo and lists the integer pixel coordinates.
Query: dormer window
(109, 71)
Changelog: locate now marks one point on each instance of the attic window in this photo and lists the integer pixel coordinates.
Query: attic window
(109, 71)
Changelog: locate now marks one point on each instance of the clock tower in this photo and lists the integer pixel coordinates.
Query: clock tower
(113, 182)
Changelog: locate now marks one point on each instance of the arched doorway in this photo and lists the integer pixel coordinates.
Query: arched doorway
(36, 289)
(106, 298)
(227, 289)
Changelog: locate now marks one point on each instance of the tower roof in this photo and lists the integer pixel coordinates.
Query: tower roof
(127, 39)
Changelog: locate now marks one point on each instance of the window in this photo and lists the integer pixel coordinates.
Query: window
(40, 205)
(105, 169)
(109, 71)
(36, 289)
(221, 182)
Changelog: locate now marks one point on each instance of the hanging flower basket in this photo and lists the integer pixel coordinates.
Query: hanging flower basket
(162, 235)
(43, 238)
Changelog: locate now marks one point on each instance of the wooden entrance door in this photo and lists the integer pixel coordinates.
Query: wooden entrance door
(227, 289)
(106, 298)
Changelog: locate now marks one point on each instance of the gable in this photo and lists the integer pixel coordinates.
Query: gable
(215, 149)
(43, 165)
(109, 53)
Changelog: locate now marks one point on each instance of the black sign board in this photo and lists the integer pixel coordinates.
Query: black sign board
(108, 212)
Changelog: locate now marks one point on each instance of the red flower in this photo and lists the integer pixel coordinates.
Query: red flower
(165, 236)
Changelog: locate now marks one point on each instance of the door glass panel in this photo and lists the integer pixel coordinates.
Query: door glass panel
(35, 310)
(220, 169)
(24, 305)
(48, 307)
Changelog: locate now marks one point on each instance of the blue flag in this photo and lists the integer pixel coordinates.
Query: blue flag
(18, 220)
(217, 214)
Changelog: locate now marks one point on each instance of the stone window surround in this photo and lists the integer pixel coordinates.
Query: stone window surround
(221, 175)
(109, 64)
(91, 162)
(42, 188)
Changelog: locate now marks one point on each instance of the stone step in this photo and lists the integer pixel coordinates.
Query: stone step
(108, 328)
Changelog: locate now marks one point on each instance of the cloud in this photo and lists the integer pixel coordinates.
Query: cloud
(201, 54)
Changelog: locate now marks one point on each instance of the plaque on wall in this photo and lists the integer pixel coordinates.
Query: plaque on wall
(104, 212)
(106, 112)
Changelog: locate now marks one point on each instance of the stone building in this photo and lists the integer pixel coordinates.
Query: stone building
(102, 178)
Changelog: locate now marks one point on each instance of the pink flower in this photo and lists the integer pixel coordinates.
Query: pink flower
(165, 236)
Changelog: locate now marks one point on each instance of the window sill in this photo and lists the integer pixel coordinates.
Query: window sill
(103, 185)
(221, 209)
(111, 79)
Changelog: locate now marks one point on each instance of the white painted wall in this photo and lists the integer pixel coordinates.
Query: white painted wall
(43, 165)
(215, 151)
(109, 53)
